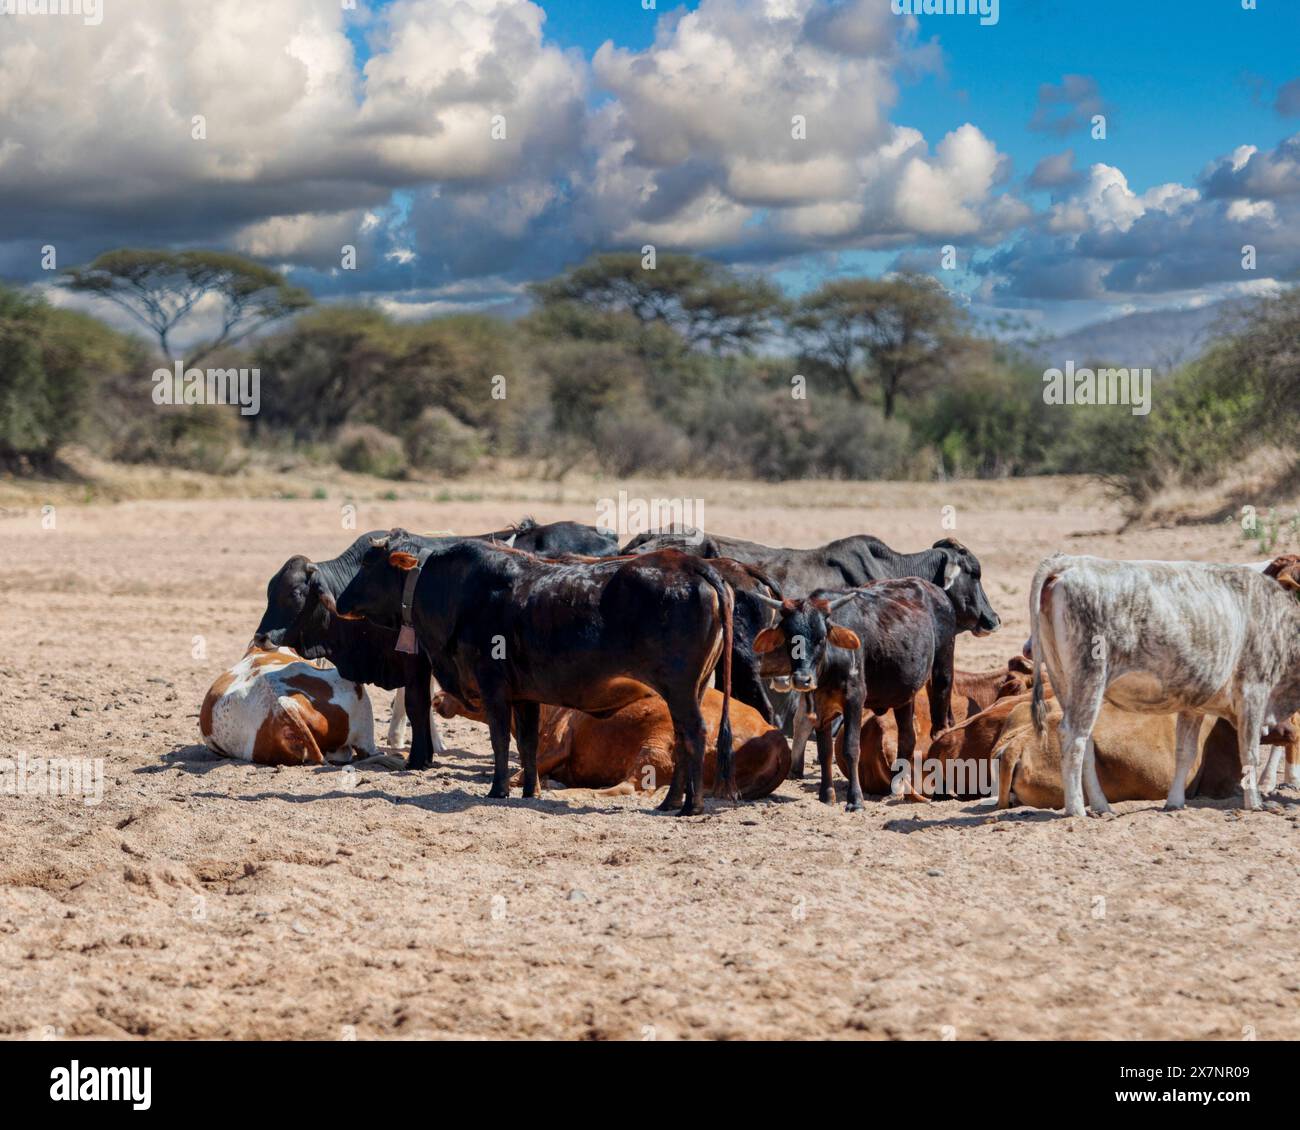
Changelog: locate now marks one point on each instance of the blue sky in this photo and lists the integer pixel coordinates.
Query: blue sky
(370, 129)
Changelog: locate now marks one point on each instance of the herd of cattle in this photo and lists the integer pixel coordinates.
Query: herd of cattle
(680, 658)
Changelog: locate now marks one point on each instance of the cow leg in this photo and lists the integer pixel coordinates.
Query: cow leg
(941, 679)
(852, 750)
(526, 716)
(802, 731)
(1080, 706)
(435, 735)
(905, 722)
(397, 724)
(497, 708)
(1250, 718)
(677, 789)
(825, 758)
(1271, 769)
(1186, 733)
(688, 754)
(1091, 782)
(419, 706)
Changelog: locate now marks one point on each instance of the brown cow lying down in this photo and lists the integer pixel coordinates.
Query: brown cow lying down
(275, 708)
(632, 749)
(971, 692)
(1135, 757)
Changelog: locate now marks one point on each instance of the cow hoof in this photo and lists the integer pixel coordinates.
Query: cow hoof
(669, 804)
(1102, 813)
(695, 808)
(1172, 807)
(854, 806)
(499, 792)
(826, 798)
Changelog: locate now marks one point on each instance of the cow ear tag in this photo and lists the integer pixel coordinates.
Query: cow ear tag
(406, 640)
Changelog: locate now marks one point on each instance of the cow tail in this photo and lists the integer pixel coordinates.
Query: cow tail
(1037, 707)
(726, 773)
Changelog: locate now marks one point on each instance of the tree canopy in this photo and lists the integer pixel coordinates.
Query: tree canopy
(160, 289)
(707, 303)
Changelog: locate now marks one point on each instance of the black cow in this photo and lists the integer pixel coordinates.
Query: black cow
(846, 563)
(296, 617)
(889, 639)
(506, 631)
(557, 538)
(755, 592)
(856, 560)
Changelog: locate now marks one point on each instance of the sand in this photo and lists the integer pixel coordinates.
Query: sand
(205, 898)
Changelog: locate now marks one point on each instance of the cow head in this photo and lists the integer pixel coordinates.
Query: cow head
(296, 616)
(797, 644)
(960, 579)
(375, 591)
(1286, 571)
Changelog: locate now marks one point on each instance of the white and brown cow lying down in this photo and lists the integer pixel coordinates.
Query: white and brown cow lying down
(275, 708)
(632, 749)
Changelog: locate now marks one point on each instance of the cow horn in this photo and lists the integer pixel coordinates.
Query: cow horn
(771, 602)
(834, 604)
(311, 569)
(510, 541)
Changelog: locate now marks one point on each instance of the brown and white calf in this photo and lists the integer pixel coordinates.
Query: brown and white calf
(275, 708)
(1162, 637)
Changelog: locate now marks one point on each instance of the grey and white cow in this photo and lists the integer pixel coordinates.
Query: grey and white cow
(1162, 637)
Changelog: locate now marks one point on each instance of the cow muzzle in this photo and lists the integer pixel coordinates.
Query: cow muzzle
(780, 684)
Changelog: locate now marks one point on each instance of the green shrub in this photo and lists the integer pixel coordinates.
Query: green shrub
(192, 437)
(52, 363)
(439, 442)
(368, 451)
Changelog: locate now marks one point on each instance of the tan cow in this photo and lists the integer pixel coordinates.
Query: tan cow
(276, 708)
(632, 749)
(1135, 757)
(972, 693)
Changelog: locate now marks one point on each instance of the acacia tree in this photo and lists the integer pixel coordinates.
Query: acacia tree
(159, 289)
(898, 332)
(707, 303)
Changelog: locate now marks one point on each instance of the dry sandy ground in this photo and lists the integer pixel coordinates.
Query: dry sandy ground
(204, 898)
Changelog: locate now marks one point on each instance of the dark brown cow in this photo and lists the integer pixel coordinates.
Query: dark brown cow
(889, 640)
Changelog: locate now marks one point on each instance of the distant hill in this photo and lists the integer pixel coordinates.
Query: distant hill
(1159, 339)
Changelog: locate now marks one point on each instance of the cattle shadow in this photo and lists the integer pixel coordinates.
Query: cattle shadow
(446, 803)
(193, 759)
(976, 814)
